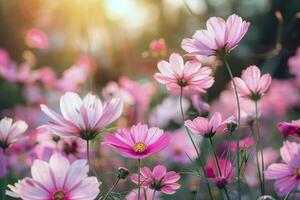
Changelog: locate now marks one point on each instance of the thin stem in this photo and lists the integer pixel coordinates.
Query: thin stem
(195, 147)
(227, 154)
(4, 174)
(288, 195)
(139, 178)
(145, 193)
(88, 153)
(257, 160)
(227, 194)
(111, 189)
(215, 156)
(153, 196)
(260, 148)
(238, 127)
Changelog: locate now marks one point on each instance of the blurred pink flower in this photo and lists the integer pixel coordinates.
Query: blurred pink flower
(47, 76)
(286, 174)
(252, 85)
(14, 73)
(133, 195)
(244, 143)
(139, 142)
(290, 128)
(11, 132)
(189, 77)
(294, 66)
(36, 38)
(82, 118)
(199, 104)
(57, 180)
(4, 58)
(141, 93)
(158, 179)
(219, 36)
(180, 150)
(272, 103)
(158, 46)
(208, 128)
(113, 90)
(224, 176)
(167, 111)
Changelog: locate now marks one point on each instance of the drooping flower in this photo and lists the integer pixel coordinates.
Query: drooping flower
(290, 128)
(57, 180)
(286, 174)
(158, 179)
(82, 118)
(36, 38)
(189, 77)
(208, 128)
(252, 85)
(220, 36)
(11, 132)
(139, 142)
(221, 175)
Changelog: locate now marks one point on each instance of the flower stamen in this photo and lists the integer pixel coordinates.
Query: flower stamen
(139, 147)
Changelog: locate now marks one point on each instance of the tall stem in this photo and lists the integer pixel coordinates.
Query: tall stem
(238, 127)
(153, 196)
(139, 178)
(257, 160)
(194, 145)
(4, 174)
(260, 149)
(88, 154)
(111, 189)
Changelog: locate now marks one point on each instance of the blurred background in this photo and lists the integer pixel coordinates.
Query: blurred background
(116, 33)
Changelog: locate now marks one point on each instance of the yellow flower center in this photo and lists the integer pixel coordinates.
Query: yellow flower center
(59, 195)
(298, 172)
(139, 147)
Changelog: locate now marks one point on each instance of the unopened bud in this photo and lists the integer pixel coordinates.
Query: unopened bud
(123, 172)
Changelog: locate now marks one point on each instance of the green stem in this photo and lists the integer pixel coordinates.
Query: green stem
(139, 178)
(227, 154)
(260, 149)
(88, 153)
(153, 196)
(4, 174)
(257, 160)
(238, 127)
(227, 194)
(111, 189)
(195, 147)
(215, 156)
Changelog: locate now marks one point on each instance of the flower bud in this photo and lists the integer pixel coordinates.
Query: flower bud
(123, 172)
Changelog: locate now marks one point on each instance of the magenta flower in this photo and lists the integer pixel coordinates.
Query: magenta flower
(57, 180)
(221, 176)
(158, 46)
(286, 174)
(219, 36)
(82, 118)
(208, 128)
(190, 77)
(11, 132)
(252, 85)
(139, 142)
(290, 128)
(158, 179)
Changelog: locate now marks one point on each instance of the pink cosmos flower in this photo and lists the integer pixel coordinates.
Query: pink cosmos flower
(158, 179)
(252, 85)
(208, 128)
(82, 118)
(219, 36)
(290, 128)
(11, 132)
(139, 142)
(57, 180)
(220, 177)
(286, 174)
(189, 77)
(36, 38)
